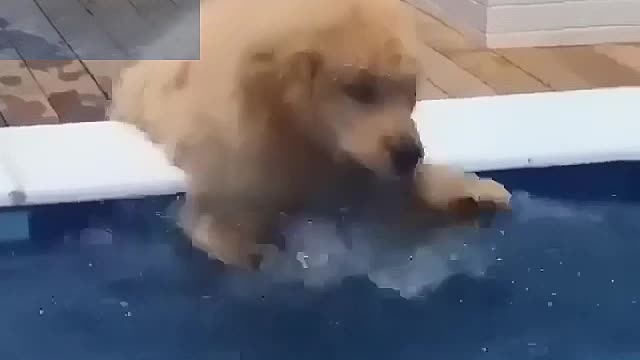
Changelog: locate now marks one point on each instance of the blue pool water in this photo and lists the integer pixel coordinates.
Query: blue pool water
(556, 279)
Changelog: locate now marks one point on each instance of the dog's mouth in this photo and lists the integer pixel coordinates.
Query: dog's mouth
(404, 154)
(405, 158)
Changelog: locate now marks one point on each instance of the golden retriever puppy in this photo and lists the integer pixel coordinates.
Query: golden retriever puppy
(294, 106)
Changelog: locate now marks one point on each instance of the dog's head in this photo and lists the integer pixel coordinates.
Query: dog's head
(350, 87)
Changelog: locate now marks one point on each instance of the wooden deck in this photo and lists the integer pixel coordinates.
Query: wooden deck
(48, 73)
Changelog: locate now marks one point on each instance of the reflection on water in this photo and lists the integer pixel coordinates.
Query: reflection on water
(318, 254)
(555, 280)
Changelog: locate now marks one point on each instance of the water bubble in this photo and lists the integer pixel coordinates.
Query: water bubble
(554, 294)
(128, 314)
(124, 304)
(498, 259)
(484, 349)
(549, 303)
(302, 259)
(41, 311)
(579, 274)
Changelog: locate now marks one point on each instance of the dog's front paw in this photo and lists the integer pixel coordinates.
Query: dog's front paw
(454, 190)
(480, 196)
(479, 202)
(226, 244)
(488, 193)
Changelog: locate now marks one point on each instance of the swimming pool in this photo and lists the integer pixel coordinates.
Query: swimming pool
(556, 279)
(102, 278)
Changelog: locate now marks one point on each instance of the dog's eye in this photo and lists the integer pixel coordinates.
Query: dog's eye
(362, 92)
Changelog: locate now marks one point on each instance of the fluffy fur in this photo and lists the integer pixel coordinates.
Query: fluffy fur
(293, 106)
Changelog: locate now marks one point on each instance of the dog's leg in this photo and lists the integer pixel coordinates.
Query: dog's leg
(229, 235)
(449, 190)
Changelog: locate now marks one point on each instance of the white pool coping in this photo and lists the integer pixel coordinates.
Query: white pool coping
(108, 160)
(82, 162)
(532, 130)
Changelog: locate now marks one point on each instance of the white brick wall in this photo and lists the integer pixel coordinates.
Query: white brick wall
(515, 23)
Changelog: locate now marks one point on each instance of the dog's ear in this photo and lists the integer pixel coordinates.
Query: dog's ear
(265, 68)
(270, 79)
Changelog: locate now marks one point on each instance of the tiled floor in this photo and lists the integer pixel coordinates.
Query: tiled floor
(69, 87)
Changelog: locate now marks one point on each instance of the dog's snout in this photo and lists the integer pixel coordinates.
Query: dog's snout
(405, 156)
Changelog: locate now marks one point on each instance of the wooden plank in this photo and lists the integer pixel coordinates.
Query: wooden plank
(443, 73)
(7, 52)
(29, 31)
(494, 70)
(429, 91)
(22, 102)
(624, 54)
(106, 72)
(157, 13)
(78, 29)
(447, 76)
(500, 74)
(120, 20)
(446, 41)
(177, 42)
(70, 89)
(186, 3)
(570, 68)
(543, 64)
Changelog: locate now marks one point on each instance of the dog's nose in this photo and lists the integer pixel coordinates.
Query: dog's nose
(405, 156)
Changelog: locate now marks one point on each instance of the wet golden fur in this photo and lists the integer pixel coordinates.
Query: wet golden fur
(292, 103)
